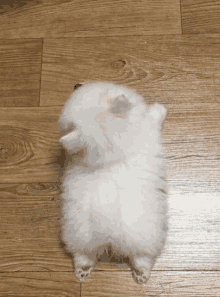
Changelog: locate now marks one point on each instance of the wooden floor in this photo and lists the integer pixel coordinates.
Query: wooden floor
(170, 52)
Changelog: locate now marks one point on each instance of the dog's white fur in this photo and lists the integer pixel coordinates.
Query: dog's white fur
(115, 194)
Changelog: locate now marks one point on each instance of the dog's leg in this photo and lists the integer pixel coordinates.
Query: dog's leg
(83, 266)
(142, 267)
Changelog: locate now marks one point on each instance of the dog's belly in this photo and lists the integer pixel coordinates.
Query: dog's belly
(118, 200)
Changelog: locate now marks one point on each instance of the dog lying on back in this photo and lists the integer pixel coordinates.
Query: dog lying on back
(114, 194)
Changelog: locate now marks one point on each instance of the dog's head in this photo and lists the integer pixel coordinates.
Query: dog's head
(109, 120)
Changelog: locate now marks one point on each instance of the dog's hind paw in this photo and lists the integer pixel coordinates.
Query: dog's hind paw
(83, 273)
(140, 279)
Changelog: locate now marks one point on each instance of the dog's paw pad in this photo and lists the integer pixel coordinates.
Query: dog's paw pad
(140, 279)
(82, 274)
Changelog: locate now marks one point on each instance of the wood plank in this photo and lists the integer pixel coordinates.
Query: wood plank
(91, 18)
(164, 283)
(170, 69)
(200, 17)
(20, 72)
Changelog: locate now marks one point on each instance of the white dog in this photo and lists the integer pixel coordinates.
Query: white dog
(114, 194)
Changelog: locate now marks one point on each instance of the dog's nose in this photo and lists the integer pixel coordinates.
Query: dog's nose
(77, 86)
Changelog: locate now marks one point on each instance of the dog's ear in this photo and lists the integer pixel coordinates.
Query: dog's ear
(120, 106)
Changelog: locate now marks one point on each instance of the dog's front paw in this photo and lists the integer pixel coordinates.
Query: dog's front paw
(141, 278)
(83, 273)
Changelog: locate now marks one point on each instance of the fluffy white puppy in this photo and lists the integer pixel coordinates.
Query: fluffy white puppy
(114, 194)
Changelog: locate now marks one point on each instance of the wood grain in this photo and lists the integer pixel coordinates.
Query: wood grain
(178, 70)
(34, 284)
(28, 144)
(163, 283)
(200, 17)
(91, 18)
(166, 283)
(20, 72)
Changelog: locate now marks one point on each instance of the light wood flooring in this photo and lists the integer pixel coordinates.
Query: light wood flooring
(167, 50)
